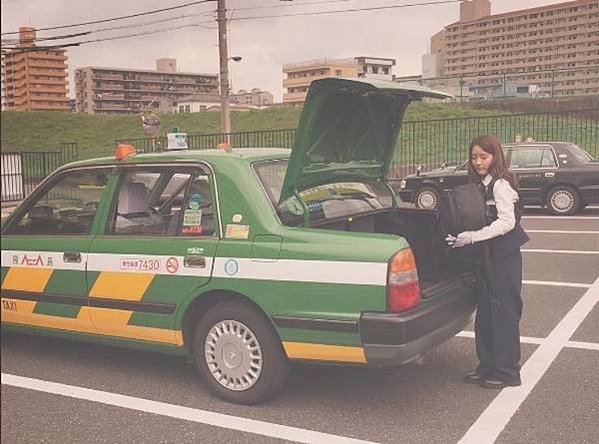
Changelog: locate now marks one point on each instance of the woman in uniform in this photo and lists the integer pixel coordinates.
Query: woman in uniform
(499, 304)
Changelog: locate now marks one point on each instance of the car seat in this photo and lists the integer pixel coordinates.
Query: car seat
(134, 213)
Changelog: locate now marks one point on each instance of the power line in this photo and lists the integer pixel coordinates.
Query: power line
(373, 8)
(155, 11)
(84, 42)
(292, 4)
(17, 50)
(135, 25)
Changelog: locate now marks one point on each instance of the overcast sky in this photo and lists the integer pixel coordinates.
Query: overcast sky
(264, 44)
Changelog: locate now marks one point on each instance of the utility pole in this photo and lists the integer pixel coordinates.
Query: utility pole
(223, 51)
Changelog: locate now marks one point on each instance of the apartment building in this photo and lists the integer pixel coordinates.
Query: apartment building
(122, 91)
(299, 75)
(34, 78)
(554, 48)
(254, 97)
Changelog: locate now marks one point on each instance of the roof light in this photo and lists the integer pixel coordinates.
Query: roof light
(123, 151)
(225, 146)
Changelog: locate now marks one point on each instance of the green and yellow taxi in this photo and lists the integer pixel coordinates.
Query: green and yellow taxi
(243, 260)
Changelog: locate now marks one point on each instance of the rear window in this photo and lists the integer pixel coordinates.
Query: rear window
(324, 202)
(581, 155)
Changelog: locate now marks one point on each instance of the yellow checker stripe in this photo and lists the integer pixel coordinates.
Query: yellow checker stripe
(111, 285)
(121, 285)
(324, 352)
(27, 279)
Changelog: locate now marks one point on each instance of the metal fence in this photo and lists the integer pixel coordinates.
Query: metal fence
(281, 138)
(430, 143)
(21, 172)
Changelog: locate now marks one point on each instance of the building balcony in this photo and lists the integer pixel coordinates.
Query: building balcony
(102, 76)
(302, 81)
(294, 97)
(47, 72)
(45, 65)
(109, 88)
(41, 55)
(46, 107)
(48, 89)
(46, 98)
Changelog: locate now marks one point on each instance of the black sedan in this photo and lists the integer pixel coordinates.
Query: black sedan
(559, 175)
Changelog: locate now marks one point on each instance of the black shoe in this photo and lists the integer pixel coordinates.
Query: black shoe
(494, 382)
(475, 377)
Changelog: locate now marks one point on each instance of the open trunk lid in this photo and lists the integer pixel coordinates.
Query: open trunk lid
(348, 131)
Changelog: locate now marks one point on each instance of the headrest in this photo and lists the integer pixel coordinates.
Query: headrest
(133, 198)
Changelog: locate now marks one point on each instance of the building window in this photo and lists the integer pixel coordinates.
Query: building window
(187, 108)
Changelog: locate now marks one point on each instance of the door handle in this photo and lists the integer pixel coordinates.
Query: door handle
(194, 261)
(71, 256)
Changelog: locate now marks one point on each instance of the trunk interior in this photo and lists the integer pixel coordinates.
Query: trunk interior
(425, 233)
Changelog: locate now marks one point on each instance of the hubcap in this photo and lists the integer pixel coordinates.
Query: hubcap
(562, 201)
(427, 199)
(233, 355)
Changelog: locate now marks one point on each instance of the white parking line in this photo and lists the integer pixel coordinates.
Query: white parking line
(176, 411)
(583, 345)
(537, 250)
(563, 231)
(496, 416)
(562, 217)
(557, 284)
(540, 341)
(523, 339)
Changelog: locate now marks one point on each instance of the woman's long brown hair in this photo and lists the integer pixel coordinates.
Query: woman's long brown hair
(499, 168)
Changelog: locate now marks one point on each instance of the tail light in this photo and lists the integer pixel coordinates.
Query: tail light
(403, 291)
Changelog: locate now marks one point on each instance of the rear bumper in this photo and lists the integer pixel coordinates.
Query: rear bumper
(590, 194)
(406, 195)
(398, 338)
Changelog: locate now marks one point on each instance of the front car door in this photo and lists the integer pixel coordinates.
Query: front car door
(44, 252)
(535, 167)
(156, 250)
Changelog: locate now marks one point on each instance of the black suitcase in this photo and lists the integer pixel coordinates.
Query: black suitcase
(463, 208)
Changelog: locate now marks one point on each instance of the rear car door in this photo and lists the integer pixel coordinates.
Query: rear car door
(44, 252)
(536, 168)
(157, 249)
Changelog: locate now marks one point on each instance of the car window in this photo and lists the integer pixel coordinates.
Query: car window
(581, 155)
(324, 202)
(163, 202)
(533, 157)
(68, 207)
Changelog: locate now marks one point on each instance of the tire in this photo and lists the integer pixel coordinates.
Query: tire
(427, 197)
(563, 200)
(238, 354)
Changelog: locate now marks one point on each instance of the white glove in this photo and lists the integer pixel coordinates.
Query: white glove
(463, 239)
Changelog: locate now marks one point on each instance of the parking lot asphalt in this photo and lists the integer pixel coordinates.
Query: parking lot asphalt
(417, 403)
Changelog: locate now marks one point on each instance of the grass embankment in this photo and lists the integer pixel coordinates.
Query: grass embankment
(96, 135)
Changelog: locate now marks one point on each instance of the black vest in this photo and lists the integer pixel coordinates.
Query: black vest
(510, 241)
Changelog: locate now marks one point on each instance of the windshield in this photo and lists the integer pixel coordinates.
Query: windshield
(324, 202)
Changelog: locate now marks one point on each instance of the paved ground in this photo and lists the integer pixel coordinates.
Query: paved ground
(425, 403)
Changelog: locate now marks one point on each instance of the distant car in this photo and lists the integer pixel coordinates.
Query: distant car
(558, 175)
